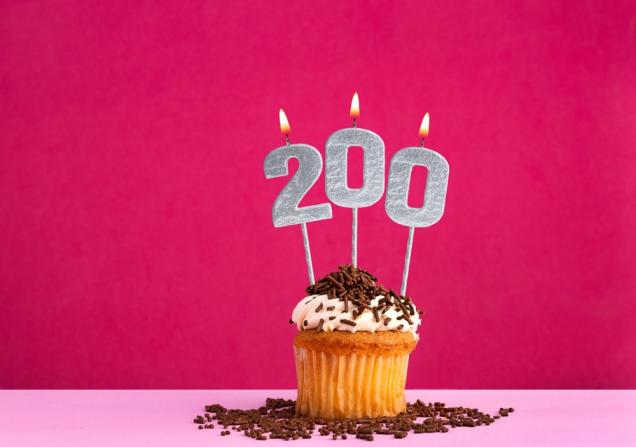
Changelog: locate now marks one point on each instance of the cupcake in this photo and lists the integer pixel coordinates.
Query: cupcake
(353, 347)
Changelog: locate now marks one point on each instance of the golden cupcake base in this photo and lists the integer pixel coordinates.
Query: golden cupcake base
(351, 375)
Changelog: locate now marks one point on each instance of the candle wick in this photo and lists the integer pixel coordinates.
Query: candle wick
(287, 139)
(355, 123)
(422, 142)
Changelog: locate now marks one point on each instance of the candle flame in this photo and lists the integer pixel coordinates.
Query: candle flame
(425, 125)
(355, 106)
(284, 124)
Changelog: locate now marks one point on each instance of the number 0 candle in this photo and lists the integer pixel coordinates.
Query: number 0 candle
(397, 194)
(336, 184)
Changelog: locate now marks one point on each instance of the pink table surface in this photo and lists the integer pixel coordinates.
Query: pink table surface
(161, 418)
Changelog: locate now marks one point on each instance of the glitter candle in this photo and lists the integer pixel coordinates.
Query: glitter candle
(336, 185)
(397, 194)
(285, 210)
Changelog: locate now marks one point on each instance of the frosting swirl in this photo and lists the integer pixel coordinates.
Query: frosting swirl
(329, 314)
(350, 300)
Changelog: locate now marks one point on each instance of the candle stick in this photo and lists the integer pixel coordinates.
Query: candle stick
(354, 113)
(398, 189)
(407, 260)
(409, 241)
(310, 265)
(285, 210)
(285, 128)
(336, 171)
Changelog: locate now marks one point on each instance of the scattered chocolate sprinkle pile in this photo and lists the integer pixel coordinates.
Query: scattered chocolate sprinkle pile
(277, 420)
(357, 288)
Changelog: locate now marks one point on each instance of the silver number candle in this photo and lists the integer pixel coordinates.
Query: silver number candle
(397, 193)
(285, 210)
(336, 172)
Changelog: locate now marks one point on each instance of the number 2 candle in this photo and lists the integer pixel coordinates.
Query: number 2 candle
(286, 210)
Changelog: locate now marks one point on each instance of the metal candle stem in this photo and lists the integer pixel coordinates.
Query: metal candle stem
(310, 268)
(407, 260)
(354, 222)
(354, 237)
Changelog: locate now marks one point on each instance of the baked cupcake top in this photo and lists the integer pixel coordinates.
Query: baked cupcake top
(350, 300)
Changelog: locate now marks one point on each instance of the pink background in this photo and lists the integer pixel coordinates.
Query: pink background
(137, 248)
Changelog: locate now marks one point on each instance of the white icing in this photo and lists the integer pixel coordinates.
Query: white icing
(305, 310)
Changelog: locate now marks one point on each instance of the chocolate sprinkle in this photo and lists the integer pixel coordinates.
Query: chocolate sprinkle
(277, 420)
(357, 288)
(348, 322)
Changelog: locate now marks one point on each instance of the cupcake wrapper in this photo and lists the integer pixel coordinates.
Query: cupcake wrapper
(350, 385)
